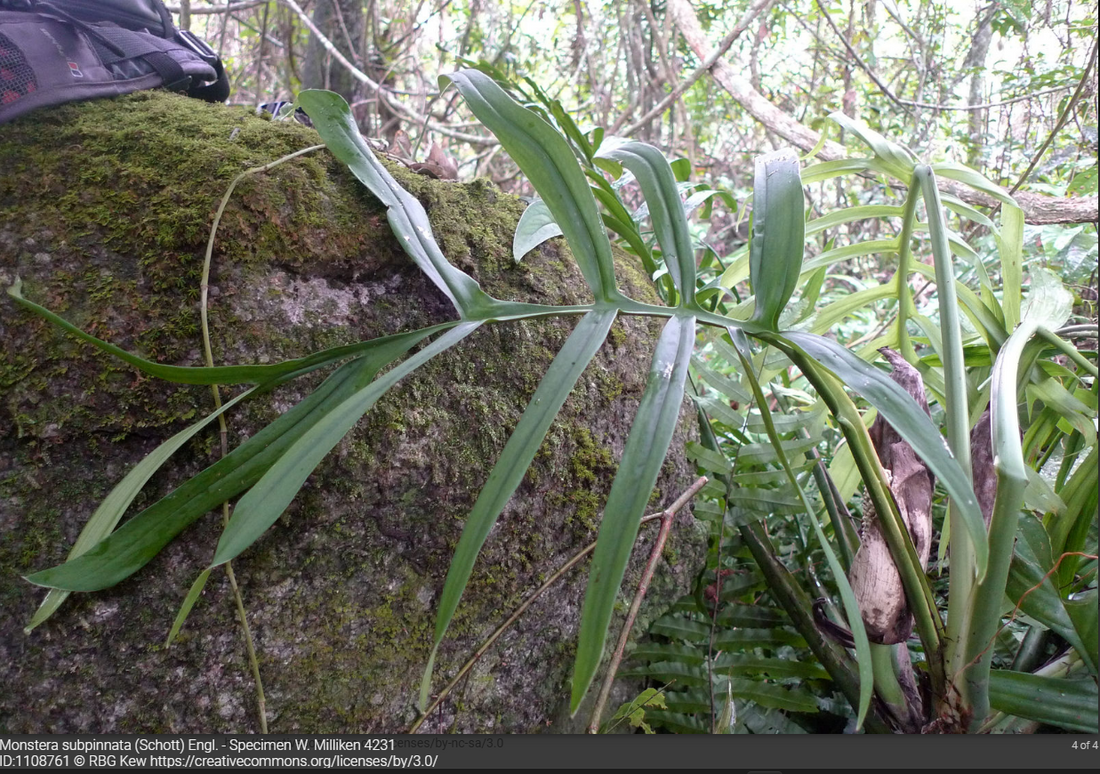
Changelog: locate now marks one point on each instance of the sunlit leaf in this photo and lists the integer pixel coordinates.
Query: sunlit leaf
(973, 179)
(898, 159)
(852, 215)
(825, 170)
(1010, 245)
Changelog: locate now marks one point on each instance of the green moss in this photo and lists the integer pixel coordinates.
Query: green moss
(611, 387)
(591, 470)
(616, 335)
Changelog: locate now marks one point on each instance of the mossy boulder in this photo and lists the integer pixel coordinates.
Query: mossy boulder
(105, 210)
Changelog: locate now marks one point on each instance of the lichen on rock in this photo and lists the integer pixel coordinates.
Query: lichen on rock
(105, 208)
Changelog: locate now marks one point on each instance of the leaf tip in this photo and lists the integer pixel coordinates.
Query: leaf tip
(446, 80)
(37, 580)
(581, 683)
(426, 681)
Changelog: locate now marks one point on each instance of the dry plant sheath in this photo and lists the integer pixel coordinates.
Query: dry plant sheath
(874, 576)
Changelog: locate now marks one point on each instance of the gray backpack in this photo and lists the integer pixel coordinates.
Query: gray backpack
(57, 51)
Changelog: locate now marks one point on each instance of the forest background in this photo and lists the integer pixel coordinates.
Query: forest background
(983, 84)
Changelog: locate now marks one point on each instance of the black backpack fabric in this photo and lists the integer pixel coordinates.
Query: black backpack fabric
(57, 51)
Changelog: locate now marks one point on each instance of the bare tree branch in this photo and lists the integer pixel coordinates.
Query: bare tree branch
(741, 90)
(1042, 210)
(985, 105)
(1091, 59)
(910, 103)
(708, 62)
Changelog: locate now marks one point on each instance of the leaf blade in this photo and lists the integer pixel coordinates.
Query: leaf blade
(1067, 703)
(536, 225)
(658, 185)
(135, 543)
(110, 511)
(912, 424)
(779, 227)
(545, 157)
(332, 118)
(645, 450)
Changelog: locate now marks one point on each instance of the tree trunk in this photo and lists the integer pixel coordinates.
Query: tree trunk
(975, 61)
(342, 22)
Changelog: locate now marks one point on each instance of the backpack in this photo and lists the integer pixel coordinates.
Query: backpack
(57, 51)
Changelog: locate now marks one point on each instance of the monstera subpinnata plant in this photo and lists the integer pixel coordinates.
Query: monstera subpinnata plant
(268, 469)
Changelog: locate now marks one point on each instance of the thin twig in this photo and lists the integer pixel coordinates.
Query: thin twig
(215, 9)
(859, 60)
(496, 635)
(1019, 604)
(260, 61)
(1091, 59)
(639, 595)
(932, 106)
